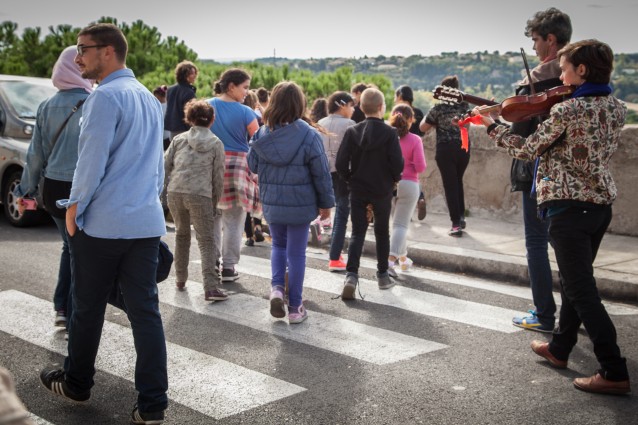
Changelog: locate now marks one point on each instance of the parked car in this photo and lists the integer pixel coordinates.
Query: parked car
(19, 101)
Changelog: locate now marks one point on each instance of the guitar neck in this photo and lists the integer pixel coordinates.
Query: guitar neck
(479, 101)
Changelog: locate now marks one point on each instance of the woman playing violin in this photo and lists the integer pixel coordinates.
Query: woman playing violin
(575, 190)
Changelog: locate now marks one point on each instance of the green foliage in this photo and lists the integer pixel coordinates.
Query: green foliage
(33, 54)
(153, 59)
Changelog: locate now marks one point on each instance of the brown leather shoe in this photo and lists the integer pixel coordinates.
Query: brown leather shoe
(542, 349)
(180, 285)
(600, 385)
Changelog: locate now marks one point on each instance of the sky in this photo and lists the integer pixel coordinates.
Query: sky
(301, 29)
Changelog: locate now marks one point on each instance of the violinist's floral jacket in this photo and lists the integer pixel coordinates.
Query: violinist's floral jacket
(573, 168)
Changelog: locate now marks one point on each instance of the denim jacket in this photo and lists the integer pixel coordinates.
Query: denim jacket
(60, 164)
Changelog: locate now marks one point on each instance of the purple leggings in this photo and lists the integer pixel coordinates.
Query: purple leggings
(289, 242)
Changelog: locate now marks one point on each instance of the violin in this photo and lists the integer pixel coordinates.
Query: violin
(524, 107)
(512, 109)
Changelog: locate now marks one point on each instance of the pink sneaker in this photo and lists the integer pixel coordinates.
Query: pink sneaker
(277, 302)
(297, 314)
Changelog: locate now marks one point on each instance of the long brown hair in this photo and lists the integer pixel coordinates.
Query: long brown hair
(287, 104)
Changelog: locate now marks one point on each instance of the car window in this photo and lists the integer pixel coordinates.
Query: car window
(25, 97)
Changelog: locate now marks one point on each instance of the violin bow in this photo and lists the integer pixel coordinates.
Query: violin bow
(529, 75)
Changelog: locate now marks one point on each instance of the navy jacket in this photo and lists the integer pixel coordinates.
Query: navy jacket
(294, 177)
(370, 159)
(176, 98)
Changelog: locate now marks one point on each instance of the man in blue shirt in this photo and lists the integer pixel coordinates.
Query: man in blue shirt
(114, 221)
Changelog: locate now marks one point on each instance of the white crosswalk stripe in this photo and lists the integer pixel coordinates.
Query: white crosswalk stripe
(38, 420)
(363, 342)
(613, 308)
(229, 389)
(421, 302)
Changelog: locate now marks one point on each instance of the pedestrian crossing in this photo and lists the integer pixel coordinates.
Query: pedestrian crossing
(613, 308)
(197, 378)
(413, 300)
(233, 388)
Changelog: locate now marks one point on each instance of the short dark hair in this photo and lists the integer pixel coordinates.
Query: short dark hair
(109, 35)
(597, 57)
(262, 94)
(183, 70)
(234, 75)
(337, 100)
(551, 21)
(358, 87)
(450, 81)
(198, 112)
(405, 93)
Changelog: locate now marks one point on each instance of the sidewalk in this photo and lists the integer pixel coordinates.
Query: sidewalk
(495, 249)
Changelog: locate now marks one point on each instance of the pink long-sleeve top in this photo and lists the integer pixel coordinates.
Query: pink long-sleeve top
(413, 157)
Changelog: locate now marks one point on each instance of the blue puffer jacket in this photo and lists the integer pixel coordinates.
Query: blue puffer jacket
(294, 177)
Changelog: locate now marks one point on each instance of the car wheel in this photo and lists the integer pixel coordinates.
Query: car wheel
(11, 212)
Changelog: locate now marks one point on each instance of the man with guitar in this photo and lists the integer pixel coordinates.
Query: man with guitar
(549, 30)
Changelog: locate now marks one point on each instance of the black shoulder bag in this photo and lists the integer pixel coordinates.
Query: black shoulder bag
(49, 201)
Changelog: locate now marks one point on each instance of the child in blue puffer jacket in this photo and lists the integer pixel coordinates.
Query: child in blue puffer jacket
(295, 184)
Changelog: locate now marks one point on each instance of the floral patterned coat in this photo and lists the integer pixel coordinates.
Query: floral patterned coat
(575, 168)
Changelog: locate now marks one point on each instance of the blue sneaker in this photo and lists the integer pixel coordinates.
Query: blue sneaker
(531, 322)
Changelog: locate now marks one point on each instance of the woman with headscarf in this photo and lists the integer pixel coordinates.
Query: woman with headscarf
(53, 153)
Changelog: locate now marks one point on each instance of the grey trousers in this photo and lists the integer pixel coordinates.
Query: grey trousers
(199, 211)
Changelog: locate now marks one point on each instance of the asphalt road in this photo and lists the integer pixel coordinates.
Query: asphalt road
(435, 349)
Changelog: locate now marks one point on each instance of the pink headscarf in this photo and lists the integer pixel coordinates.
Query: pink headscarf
(66, 74)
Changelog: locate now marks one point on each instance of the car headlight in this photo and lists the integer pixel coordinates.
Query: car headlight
(28, 129)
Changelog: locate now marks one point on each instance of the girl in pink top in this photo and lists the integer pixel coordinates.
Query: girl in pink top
(402, 117)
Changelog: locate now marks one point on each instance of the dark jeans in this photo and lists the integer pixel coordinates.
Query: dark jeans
(576, 235)
(62, 294)
(540, 272)
(249, 224)
(98, 264)
(452, 165)
(340, 221)
(381, 208)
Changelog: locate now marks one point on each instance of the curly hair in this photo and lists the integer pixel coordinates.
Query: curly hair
(550, 21)
(198, 112)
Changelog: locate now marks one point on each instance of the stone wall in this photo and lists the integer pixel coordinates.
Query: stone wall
(487, 181)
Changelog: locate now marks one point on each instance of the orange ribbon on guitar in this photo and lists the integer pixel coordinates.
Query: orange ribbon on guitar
(465, 139)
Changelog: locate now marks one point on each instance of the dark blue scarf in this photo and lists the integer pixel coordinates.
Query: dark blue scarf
(592, 89)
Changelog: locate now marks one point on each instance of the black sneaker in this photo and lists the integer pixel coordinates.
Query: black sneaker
(149, 418)
(53, 380)
(421, 209)
(229, 275)
(249, 242)
(259, 235)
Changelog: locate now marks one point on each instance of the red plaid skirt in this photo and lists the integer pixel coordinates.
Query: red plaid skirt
(240, 185)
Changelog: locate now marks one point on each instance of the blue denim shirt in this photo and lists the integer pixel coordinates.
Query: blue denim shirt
(60, 163)
(120, 169)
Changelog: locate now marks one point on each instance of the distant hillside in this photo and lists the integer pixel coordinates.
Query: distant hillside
(483, 74)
